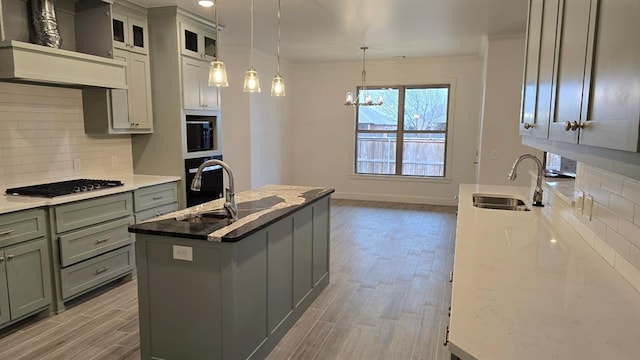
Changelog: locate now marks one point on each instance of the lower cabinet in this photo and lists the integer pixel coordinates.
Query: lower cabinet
(25, 280)
(92, 244)
(25, 274)
(156, 200)
(234, 300)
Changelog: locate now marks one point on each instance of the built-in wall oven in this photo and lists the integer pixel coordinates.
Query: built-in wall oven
(212, 180)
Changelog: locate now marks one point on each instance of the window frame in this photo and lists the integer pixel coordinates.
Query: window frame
(400, 131)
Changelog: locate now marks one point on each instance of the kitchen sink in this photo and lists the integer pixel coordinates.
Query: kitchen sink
(210, 217)
(499, 202)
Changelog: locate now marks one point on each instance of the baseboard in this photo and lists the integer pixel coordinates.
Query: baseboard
(396, 198)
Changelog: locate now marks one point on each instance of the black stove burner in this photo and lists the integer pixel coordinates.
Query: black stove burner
(64, 187)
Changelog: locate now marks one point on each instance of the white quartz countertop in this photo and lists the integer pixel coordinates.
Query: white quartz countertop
(9, 203)
(527, 286)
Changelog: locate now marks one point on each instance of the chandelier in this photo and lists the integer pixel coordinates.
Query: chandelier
(363, 98)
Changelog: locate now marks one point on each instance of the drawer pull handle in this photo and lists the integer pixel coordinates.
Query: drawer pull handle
(157, 197)
(6, 232)
(102, 241)
(9, 257)
(101, 270)
(446, 337)
(451, 276)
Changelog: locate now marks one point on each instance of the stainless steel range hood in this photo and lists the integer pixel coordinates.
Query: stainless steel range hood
(30, 63)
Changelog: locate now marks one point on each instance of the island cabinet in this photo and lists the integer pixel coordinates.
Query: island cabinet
(590, 95)
(203, 299)
(91, 244)
(25, 276)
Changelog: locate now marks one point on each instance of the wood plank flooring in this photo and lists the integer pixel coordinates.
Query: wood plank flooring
(388, 297)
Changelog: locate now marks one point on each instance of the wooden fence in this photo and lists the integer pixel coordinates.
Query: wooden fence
(421, 157)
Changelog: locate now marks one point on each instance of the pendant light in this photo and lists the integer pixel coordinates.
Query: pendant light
(251, 80)
(277, 85)
(217, 70)
(363, 98)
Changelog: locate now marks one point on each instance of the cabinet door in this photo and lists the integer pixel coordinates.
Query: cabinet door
(532, 61)
(120, 32)
(545, 69)
(573, 27)
(279, 272)
(210, 95)
(613, 82)
(321, 230)
(191, 84)
(28, 277)
(138, 35)
(302, 254)
(4, 292)
(120, 97)
(139, 92)
(197, 42)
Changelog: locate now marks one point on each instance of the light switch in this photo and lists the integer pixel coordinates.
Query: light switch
(183, 253)
(588, 206)
(579, 204)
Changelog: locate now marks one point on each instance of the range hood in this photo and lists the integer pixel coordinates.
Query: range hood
(31, 63)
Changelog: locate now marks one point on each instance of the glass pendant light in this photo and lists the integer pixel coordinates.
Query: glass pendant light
(251, 80)
(277, 85)
(217, 70)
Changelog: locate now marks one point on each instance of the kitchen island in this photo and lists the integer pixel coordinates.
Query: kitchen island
(211, 289)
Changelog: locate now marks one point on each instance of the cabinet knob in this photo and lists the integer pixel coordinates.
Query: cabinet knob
(446, 336)
(572, 126)
(1, 259)
(527, 126)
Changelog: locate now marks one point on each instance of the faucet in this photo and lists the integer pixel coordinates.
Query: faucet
(537, 193)
(230, 202)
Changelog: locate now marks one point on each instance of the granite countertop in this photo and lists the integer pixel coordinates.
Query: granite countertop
(257, 209)
(10, 203)
(527, 286)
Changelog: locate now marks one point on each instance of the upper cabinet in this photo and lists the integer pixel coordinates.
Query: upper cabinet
(196, 92)
(130, 33)
(124, 111)
(595, 83)
(197, 42)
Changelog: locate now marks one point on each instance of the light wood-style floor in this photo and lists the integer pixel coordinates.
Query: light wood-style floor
(388, 297)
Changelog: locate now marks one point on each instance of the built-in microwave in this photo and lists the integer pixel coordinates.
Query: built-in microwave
(200, 133)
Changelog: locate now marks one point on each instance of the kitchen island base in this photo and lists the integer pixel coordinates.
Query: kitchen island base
(230, 300)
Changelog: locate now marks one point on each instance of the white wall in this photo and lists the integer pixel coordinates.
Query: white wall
(324, 127)
(500, 143)
(256, 129)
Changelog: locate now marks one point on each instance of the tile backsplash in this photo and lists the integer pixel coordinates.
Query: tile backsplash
(614, 227)
(42, 138)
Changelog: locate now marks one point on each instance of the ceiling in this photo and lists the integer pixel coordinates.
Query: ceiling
(334, 30)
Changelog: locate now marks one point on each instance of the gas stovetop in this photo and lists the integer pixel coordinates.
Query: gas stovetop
(64, 187)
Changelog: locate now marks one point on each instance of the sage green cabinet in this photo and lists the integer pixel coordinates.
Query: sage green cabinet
(196, 92)
(26, 279)
(92, 245)
(154, 201)
(594, 84)
(25, 275)
(232, 300)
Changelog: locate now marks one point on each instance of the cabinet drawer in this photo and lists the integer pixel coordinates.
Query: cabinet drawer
(87, 243)
(78, 278)
(151, 213)
(153, 196)
(89, 212)
(22, 226)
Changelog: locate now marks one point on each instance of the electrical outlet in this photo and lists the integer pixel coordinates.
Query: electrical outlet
(579, 205)
(588, 206)
(114, 160)
(76, 164)
(183, 253)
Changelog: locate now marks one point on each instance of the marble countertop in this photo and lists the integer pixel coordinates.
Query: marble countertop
(9, 203)
(527, 286)
(257, 209)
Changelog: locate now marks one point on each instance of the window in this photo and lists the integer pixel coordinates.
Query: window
(407, 135)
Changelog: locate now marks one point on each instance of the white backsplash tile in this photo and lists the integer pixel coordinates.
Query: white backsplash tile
(607, 216)
(612, 183)
(605, 251)
(617, 242)
(42, 132)
(622, 207)
(629, 231)
(631, 191)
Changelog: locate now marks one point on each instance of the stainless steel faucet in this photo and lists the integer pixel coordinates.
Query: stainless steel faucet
(537, 193)
(230, 201)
